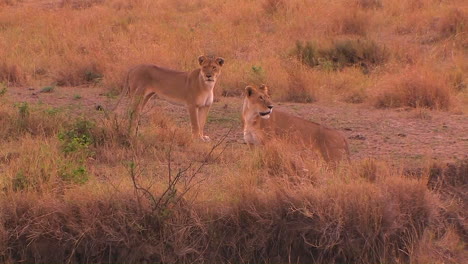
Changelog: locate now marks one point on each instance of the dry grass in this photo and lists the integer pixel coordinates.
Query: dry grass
(72, 187)
(11, 75)
(102, 39)
(344, 221)
(416, 88)
(77, 188)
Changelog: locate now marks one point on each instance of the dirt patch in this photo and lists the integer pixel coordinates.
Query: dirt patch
(408, 136)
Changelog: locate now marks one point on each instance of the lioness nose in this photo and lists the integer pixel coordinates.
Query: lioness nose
(208, 76)
(270, 106)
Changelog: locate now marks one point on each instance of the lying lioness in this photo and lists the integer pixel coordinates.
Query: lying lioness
(194, 89)
(261, 124)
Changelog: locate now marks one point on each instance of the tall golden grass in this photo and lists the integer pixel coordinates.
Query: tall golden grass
(95, 42)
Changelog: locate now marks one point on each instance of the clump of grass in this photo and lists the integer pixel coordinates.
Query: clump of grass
(276, 160)
(300, 88)
(73, 172)
(356, 96)
(3, 89)
(334, 223)
(10, 2)
(452, 22)
(415, 89)
(458, 80)
(353, 22)
(257, 74)
(343, 53)
(370, 4)
(23, 116)
(273, 6)
(11, 74)
(77, 138)
(307, 53)
(25, 119)
(362, 53)
(79, 75)
(80, 4)
(47, 89)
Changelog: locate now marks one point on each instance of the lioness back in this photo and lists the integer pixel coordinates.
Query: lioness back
(167, 83)
(330, 142)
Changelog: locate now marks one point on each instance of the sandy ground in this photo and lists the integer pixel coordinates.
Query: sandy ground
(408, 136)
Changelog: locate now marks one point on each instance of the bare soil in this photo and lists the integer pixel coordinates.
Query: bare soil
(400, 136)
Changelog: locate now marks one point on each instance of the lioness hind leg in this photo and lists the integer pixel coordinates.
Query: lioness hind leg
(333, 151)
(139, 102)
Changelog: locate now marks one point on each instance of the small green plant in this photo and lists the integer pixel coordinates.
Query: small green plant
(258, 74)
(3, 89)
(306, 53)
(76, 97)
(19, 182)
(257, 69)
(92, 77)
(23, 109)
(73, 173)
(52, 110)
(47, 89)
(112, 94)
(78, 138)
(343, 53)
(23, 116)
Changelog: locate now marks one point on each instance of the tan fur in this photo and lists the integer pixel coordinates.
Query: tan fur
(259, 129)
(194, 89)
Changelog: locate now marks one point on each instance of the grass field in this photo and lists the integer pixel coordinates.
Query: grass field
(390, 74)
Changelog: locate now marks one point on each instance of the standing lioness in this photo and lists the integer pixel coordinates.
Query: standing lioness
(261, 123)
(194, 89)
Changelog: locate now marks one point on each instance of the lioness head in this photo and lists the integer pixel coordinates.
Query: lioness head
(258, 101)
(210, 67)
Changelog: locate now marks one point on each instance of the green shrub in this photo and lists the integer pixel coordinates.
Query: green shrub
(74, 173)
(362, 53)
(343, 53)
(47, 89)
(23, 116)
(78, 138)
(20, 182)
(3, 89)
(306, 53)
(257, 74)
(92, 76)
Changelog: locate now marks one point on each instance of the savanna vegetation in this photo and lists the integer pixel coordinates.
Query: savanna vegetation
(75, 187)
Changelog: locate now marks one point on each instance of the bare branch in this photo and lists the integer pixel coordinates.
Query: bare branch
(170, 192)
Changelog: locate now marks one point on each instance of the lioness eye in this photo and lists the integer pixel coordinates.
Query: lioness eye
(261, 97)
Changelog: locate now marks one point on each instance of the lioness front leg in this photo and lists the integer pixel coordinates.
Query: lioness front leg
(202, 117)
(194, 113)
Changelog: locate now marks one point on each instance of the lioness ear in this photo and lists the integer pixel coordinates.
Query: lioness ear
(249, 90)
(220, 61)
(201, 59)
(263, 88)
